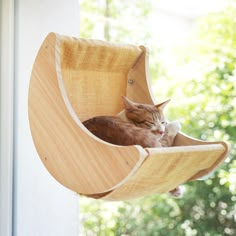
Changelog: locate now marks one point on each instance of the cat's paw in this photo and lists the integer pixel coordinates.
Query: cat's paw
(177, 192)
(173, 128)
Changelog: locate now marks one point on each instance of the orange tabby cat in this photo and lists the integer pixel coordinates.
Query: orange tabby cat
(137, 124)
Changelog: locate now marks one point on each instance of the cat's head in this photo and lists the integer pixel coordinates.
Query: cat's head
(146, 116)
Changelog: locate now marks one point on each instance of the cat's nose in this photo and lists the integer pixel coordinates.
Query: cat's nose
(158, 132)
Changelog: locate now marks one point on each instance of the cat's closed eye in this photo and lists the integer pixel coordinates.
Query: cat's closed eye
(149, 123)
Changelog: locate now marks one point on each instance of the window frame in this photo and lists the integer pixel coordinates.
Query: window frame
(7, 66)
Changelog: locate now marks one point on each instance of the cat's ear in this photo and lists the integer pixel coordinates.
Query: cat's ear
(128, 103)
(161, 106)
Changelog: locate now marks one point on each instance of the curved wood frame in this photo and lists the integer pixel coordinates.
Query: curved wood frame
(87, 165)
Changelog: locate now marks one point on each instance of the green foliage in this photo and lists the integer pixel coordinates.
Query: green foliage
(114, 20)
(203, 88)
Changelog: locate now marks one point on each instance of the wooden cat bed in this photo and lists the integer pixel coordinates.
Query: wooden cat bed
(75, 79)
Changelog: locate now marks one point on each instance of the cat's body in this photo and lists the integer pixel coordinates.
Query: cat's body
(137, 124)
(116, 131)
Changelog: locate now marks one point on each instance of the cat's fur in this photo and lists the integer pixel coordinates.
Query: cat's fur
(137, 124)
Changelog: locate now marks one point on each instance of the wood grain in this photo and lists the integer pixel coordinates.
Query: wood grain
(75, 157)
(75, 79)
(166, 168)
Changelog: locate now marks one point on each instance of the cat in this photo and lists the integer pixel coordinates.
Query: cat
(138, 124)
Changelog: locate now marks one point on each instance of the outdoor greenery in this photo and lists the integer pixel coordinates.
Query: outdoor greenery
(202, 85)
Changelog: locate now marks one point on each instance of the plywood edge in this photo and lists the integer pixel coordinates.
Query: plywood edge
(71, 154)
(191, 148)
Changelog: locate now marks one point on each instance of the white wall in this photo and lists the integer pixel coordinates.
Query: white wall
(42, 207)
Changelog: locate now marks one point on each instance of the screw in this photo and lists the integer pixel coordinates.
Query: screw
(130, 81)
